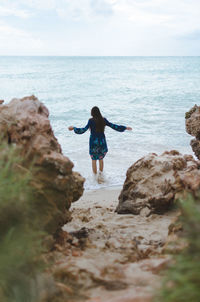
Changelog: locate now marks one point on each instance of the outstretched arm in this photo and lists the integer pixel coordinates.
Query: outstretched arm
(117, 127)
(79, 130)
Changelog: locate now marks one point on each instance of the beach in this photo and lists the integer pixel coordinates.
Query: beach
(118, 82)
(103, 256)
(120, 256)
(109, 244)
(99, 151)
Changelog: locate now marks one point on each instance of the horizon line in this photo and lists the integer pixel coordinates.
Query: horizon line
(94, 56)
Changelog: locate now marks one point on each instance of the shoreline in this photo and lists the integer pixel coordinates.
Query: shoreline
(102, 195)
(111, 187)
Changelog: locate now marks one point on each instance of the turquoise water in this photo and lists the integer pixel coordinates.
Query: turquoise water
(150, 94)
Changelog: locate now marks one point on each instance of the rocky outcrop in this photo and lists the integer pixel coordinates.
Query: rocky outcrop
(153, 182)
(192, 121)
(24, 123)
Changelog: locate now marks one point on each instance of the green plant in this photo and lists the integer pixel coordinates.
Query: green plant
(183, 277)
(20, 233)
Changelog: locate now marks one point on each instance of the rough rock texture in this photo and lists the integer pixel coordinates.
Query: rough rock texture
(192, 121)
(153, 182)
(109, 257)
(24, 122)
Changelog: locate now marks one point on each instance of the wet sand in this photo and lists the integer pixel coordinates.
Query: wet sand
(115, 258)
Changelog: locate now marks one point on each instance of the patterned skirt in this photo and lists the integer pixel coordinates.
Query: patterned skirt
(98, 147)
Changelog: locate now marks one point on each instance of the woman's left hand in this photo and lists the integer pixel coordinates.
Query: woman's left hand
(128, 128)
(71, 128)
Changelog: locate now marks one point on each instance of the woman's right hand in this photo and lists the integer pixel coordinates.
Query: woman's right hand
(128, 128)
(71, 128)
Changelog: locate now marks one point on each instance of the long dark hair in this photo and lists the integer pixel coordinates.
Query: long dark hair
(98, 118)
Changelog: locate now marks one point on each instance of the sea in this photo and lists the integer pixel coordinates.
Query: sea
(149, 94)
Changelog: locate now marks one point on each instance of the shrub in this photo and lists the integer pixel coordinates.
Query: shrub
(20, 236)
(183, 278)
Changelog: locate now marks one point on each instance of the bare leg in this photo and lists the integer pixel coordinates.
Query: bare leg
(94, 166)
(101, 165)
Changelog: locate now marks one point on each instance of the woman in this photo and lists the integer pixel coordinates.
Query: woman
(98, 146)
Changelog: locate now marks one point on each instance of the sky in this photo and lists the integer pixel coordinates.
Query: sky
(100, 27)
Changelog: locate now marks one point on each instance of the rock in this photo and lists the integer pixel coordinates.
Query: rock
(192, 121)
(1, 102)
(65, 288)
(111, 285)
(155, 265)
(124, 298)
(195, 144)
(153, 182)
(24, 122)
(82, 233)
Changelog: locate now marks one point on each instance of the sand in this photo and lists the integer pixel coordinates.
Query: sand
(114, 257)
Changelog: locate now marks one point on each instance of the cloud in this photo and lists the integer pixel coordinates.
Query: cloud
(39, 4)
(74, 10)
(88, 10)
(142, 12)
(122, 27)
(13, 40)
(134, 13)
(160, 20)
(175, 15)
(10, 11)
(101, 7)
(195, 35)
